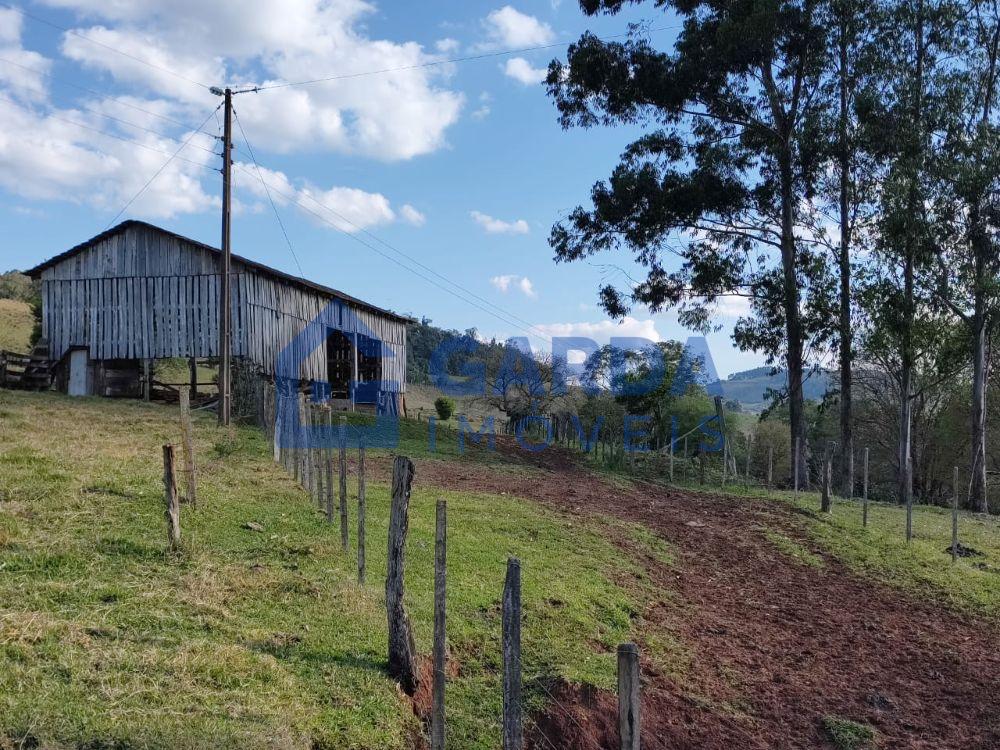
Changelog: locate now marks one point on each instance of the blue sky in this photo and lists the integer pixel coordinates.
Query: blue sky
(462, 166)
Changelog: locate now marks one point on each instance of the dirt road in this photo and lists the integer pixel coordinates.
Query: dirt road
(775, 645)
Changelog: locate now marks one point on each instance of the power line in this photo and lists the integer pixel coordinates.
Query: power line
(434, 63)
(117, 137)
(98, 94)
(160, 170)
(388, 257)
(140, 127)
(539, 333)
(267, 191)
(117, 51)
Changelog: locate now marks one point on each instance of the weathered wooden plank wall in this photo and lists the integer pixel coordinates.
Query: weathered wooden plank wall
(142, 294)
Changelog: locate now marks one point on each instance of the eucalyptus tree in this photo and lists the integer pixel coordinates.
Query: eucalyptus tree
(902, 112)
(710, 200)
(969, 169)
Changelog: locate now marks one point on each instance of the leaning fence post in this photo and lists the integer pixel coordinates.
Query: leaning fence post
(864, 517)
(362, 512)
(513, 735)
(188, 441)
(629, 699)
(440, 615)
(725, 459)
(827, 504)
(954, 517)
(344, 532)
(173, 509)
(402, 650)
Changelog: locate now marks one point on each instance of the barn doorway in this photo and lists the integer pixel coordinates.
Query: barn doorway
(339, 364)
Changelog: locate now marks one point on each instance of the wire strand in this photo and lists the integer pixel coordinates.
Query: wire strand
(106, 134)
(108, 47)
(376, 250)
(103, 97)
(159, 171)
(143, 128)
(267, 191)
(434, 63)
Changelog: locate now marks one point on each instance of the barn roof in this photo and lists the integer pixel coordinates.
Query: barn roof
(294, 280)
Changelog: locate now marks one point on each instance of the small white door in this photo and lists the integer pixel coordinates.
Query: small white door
(78, 362)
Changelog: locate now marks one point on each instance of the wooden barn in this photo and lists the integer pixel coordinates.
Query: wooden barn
(135, 294)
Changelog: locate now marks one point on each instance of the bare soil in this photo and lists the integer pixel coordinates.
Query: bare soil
(774, 645)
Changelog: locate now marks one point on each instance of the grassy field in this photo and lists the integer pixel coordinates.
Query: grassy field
(16, 322)
(880, 551)
(254, 639)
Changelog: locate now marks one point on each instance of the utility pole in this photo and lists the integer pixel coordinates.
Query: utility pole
(225, 302)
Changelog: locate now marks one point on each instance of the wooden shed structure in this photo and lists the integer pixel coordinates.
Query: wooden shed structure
(138, 293)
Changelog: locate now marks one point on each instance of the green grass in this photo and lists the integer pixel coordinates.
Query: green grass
(259, 639)
(16, 322)
(924, 565)
(880, 551)
(845, 734)
(791, 548)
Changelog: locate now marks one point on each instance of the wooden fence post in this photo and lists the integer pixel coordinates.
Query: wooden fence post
(770, 467)
(188, 441)
(362, 512)
(297, 457)
(329, 468)
(671, 460)
(513, 733)
(317, 452)
(275, 424)
(827, 504)
(173, 508)
(629, 698)
(749, 455)
(725, 459)
(864, 517)
(402, 650)
(954, 517)
(344, 531)
(440, 616)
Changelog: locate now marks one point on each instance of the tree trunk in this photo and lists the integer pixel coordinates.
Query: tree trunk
(977, 487)
(793, 323)
(846, 333)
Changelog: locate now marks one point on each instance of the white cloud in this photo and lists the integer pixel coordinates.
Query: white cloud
(18, 75)
(520, 70)
(49, 153)
(412, 216)
(55, 153)
(348, 209)
(505, 282)
(732, 306)
(498, 226)
(391, 116)
(507, 27)
(602, 331)
(483, 110)
(447, 45)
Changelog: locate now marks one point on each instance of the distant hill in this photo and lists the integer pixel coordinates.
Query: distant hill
(750, 386)
(17, 320)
